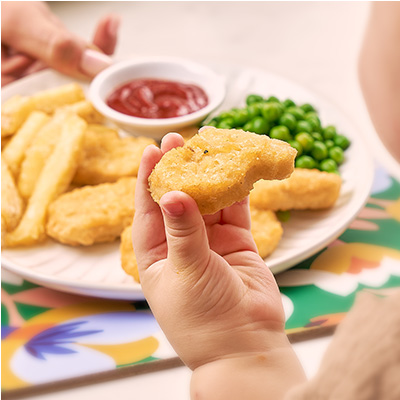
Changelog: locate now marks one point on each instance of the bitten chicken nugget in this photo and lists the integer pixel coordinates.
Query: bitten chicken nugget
(12, 205)
(305, 189)
(128, 258)
(218, 167)
(266, 230)
(106, 157)
(92, 214)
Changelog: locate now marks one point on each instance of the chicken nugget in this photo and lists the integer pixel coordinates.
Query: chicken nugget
(128, 258)
(218, 167)
(92, 214)
(266, 230)
(106, 157)
(306, 189)
(12, 205)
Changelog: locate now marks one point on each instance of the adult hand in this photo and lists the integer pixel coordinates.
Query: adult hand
(210, 291)
(33, 38)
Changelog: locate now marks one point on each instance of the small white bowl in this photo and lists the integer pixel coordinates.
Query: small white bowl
(174, 69)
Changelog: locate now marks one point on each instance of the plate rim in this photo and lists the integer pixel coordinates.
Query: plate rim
(133, 290)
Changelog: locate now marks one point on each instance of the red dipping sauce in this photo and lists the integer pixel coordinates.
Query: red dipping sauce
(154, 98)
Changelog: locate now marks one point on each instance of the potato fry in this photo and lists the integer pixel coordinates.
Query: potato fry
(50, 100)
(13, 114)
(38, 153)
(14, 152)
(12, 205)
(53, 180)
(106, 157)
(85, 110)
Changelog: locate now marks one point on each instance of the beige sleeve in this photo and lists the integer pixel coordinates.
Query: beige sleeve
(363, 360)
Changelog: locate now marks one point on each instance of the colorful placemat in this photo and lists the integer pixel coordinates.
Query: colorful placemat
(52, 340)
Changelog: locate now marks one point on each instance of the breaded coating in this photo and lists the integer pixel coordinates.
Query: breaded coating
(218, 167)
(12, 205)
(266, 230)
(306, 189)
(128, 258)
(92, 214)
(106, 157)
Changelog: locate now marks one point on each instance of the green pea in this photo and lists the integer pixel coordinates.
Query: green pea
(212, 122)
(319, 151)
(314, 122)
(226, 123)
(260, 125)
(329, 143)
(280, 132)
(295, 144)
(283, 216)
(329, 132)
(253, 98)
(248, 127)
(240, 117)
(254, 110)
(297, 112)
(306, 140)
(306, 107)
(289, 103)
(305, 162)
(337, 155)
(328, 165)
(317, 136)
(288, 120)
(303, 126)
(341, 141)
(272, 111)
(225, 114)
(273, 99)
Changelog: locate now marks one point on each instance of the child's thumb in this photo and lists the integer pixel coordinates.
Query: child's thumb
(185, 232)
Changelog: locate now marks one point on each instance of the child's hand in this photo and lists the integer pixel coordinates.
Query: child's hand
(212, 294)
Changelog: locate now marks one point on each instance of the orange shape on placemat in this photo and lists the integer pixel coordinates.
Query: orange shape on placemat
(357, 264)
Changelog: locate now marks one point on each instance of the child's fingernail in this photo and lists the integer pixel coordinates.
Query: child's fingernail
(173, 209)
(93, 62)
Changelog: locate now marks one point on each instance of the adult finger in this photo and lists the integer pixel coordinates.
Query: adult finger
(105, 37)
(186, 234)
(16, 64)
(148, 228)
(27, 27)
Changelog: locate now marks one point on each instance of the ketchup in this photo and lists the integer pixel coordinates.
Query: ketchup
(153, 98)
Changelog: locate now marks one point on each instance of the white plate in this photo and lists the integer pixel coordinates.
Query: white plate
(96, 271)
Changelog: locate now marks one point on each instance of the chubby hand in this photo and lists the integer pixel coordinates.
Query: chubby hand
(210, 291)
(33, 38)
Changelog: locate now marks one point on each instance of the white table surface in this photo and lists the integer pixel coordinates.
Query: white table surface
(315, 44)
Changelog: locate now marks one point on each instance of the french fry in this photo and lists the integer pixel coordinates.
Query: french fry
(85, 110)
(53, 180)
(12, 205)
(14, 152)
(50, 100)
(38, 152)
(14, 112)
